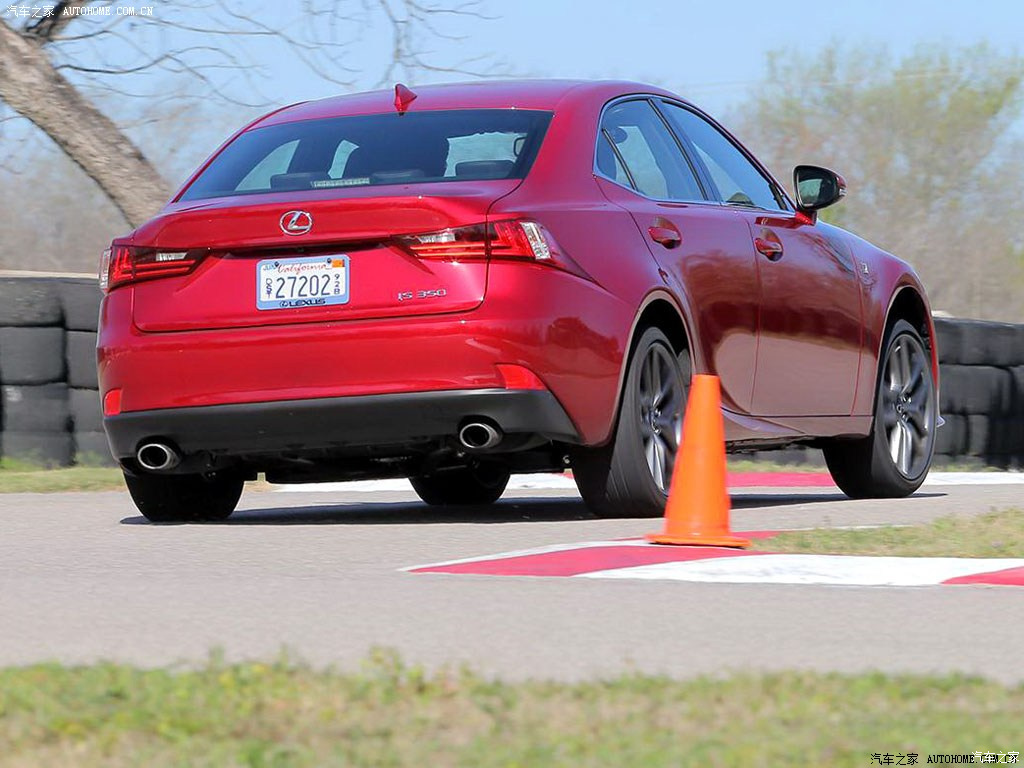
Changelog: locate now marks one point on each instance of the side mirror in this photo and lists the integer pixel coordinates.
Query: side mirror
(816, 187)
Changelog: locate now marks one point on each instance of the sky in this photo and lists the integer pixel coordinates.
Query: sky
(713, 53)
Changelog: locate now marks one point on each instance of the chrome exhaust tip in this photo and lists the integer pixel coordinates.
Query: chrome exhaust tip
(479, 436)
(157, 457)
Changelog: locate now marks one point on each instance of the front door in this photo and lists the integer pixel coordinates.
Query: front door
(809, 349)
(809, 340)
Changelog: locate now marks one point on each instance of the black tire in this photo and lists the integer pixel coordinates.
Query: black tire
(31, 355)
(80, 302)
(953, 388)
(984, 436)
(39, 449)
(631, 474)
(978, 389)
(185, 498)
(85, 410)
(951, 439)
(1017, 373)
(949, 341)
(987, 343)
(81, 357)
(905, 418)
(481, 483)
(92, 449)
(26, 301)
(36, 408)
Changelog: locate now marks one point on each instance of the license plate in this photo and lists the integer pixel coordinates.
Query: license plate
(315, 281)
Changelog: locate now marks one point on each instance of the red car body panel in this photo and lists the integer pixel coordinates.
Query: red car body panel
(766, 328)
(446, 352)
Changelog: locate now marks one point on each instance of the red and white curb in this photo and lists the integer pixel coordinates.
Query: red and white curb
(812, 479)
(636, 559)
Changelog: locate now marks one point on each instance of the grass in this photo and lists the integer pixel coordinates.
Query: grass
(764, 465)
(284, 715)
(995, 534)
(24, 477)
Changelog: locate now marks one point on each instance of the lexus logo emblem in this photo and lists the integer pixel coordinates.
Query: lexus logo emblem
(296, 222)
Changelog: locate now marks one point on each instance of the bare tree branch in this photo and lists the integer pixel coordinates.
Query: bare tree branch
(31, 86)
(50, 66)
(44, 29)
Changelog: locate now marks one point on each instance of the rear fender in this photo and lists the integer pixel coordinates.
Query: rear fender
(637, 327)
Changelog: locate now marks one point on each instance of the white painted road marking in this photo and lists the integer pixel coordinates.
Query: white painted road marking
(565, 482)
(849, 570)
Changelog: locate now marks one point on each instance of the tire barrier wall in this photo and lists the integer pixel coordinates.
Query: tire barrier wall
(981, 392)
(50, 409)
(49, 399)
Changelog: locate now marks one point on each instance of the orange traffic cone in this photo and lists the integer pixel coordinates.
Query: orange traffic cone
(697, 512)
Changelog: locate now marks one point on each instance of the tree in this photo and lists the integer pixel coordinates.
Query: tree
(927, 144)
(50, 63)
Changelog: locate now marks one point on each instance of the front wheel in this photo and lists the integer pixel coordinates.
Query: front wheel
(894, 459)
(630, 476)
(481, 483)
(185, 498)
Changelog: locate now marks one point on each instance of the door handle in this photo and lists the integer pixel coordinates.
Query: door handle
(663, 232)
(771, 249)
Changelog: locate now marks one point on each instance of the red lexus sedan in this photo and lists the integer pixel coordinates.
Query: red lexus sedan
(466, 281)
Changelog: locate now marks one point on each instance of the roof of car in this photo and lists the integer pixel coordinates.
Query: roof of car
(481, 94)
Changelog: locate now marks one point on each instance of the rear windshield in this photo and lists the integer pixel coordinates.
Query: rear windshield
(368, 150)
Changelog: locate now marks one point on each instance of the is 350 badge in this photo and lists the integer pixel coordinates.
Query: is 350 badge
(435, 293)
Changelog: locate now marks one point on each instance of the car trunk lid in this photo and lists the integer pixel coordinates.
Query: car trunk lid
(356, 228)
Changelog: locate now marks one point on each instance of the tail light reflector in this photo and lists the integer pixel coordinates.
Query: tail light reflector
(112, 403)
(519, 377)
(122, 264)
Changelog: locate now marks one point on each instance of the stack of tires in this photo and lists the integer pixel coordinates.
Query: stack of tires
(981, 366)
(50, 400)
(80, 302)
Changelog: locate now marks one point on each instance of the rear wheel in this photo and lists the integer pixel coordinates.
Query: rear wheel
(630, 476)
(894, 459)
(481, 483)
(185, 498)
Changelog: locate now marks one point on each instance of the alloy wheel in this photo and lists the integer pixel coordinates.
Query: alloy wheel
(661, 398)
(908, 406)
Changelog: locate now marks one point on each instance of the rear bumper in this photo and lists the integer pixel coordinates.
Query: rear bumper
(336, 423)
(571, 333)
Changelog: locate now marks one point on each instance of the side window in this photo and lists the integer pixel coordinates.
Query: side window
(608, 162)
(738, 180)
(341, 155)
(277, 161)
(494, 148)
(651, 156)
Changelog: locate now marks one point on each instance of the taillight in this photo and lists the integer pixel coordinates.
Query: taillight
(460, 244)
(122, 264)
(517, 239)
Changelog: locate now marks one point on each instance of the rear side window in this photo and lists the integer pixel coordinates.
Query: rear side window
(738, 180)
(634, 136)
(366, 150)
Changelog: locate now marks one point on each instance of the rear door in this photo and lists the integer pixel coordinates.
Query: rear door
(810, 340)
(703, 251)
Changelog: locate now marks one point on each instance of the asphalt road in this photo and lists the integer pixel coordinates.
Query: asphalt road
(83, 577)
